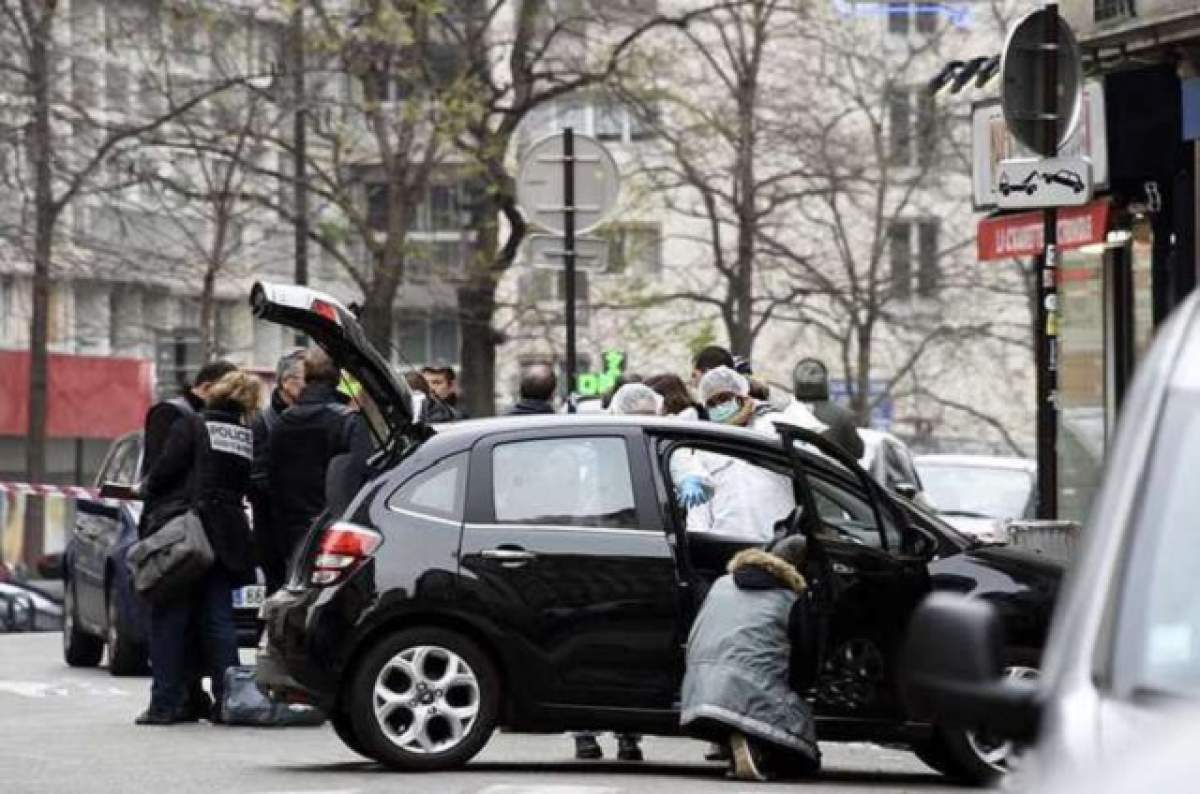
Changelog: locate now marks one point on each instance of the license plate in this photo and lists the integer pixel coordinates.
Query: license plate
(249, 597)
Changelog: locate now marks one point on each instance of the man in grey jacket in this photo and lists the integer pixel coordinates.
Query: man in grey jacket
(750, 652)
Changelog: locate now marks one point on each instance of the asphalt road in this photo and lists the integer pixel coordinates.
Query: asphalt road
(67, 730)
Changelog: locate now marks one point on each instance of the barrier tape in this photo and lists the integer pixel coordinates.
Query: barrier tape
(44, 489)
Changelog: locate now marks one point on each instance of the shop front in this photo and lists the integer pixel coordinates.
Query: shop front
(1104, 323)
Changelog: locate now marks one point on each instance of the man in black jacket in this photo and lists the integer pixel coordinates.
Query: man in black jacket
(174, 494)
(289, 383)
(161, 417)
(538, 384)
(810, 380)
(307, 437)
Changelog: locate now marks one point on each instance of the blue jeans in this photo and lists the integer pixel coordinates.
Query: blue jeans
(209, 608)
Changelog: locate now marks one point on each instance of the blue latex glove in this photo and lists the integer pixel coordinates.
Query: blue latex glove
(692, 492)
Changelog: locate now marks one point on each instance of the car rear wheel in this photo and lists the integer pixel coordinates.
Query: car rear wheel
(125, 656)
(424, 700)
(80, 649)
(973, 757)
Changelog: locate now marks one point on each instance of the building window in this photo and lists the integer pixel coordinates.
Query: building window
(634, 248)
(928, 272)
(546, 289)
(904, 17)
(426, 340)
(898, 13)
(912, 127)
(902, 235)
(84, 79)
(900, 245)
(116, 87)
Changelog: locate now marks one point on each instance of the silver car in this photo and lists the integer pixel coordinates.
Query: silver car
(979, 494)
(1124, 646)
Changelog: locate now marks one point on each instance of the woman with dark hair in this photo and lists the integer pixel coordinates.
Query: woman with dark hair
(677, 400)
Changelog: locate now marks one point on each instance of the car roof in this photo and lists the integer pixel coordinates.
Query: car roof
(977, 462)
(664, 424)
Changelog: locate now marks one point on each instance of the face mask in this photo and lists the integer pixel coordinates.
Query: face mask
(723, 412)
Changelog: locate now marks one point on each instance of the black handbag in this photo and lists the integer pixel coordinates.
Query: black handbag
(170, 561)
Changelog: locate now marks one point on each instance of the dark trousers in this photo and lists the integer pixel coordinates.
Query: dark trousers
(209, 609)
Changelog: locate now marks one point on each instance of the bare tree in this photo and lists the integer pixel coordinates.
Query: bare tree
(520, 55)
(66, 142)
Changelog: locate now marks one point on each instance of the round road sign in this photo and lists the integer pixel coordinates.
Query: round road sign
(1022, 68)
(540, 183)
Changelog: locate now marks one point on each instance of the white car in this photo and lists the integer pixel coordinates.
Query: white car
(980, 494)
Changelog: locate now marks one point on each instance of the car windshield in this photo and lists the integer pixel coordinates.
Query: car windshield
(987, 492)
(1158, 646)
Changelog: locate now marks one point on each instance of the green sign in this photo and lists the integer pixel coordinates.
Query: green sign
(594, 384)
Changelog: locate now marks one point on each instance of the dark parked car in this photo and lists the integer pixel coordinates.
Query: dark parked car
(99, 605)
(535, 574)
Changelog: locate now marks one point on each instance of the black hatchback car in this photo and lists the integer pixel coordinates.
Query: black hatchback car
(537, 574)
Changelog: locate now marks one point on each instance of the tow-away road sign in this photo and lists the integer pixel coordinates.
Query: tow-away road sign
(1036, 183)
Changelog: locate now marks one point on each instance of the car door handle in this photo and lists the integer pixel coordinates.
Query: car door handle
(503, 555)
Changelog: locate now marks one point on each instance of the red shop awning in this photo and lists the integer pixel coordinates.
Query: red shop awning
(1009, 236)
(89, 396)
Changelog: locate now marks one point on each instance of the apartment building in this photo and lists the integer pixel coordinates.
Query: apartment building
(979, 378)
(133, 248)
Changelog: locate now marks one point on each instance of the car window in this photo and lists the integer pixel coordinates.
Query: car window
(564, 482)
(437, 491)
(846, 516)
(1158, 630)
(122, 467)
(978, 491)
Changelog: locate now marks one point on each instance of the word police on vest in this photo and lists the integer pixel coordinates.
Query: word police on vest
(234, 439)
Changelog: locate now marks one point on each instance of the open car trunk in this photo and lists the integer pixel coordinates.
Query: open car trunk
(336, 330)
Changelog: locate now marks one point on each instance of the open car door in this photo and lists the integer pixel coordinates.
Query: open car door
(337, 331)
(867, 573)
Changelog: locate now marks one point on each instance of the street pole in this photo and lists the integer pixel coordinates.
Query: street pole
(569, 257)
(1047, 283)
(299, 154)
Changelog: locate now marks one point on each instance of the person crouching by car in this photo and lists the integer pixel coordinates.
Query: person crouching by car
(750, 651)
(213, 452)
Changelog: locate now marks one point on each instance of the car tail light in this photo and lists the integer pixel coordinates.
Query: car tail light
(340, 549)
(326, 310)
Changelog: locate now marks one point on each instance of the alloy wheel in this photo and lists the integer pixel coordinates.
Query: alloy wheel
(426, 699)
(992, 750)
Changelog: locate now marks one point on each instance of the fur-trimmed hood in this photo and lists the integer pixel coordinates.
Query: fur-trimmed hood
(777, 567)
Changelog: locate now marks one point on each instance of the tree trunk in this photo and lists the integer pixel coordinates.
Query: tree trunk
(861, 401)
(477, 354)
(207, 311)
(45, 217)
(377, 313)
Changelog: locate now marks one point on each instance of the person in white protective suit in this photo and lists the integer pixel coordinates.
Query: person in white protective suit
(726, 495)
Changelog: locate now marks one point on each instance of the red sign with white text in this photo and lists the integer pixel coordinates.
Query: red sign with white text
(1009, 236)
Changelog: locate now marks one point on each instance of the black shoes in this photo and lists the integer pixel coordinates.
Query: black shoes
(587, 749)
(153, 716)
(199, 706)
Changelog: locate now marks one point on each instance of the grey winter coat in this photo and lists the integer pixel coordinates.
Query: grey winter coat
(740, 674)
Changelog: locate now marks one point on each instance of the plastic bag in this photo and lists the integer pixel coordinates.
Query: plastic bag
(245, 704)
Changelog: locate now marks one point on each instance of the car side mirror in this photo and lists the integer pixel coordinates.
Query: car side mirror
(907, 490)
(952, 670)
(920, 543)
